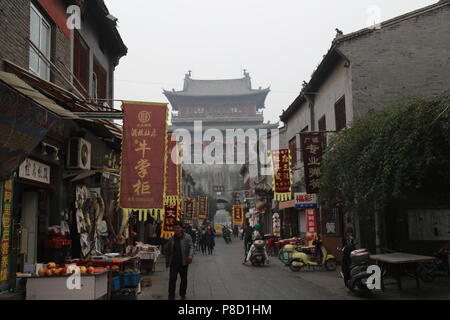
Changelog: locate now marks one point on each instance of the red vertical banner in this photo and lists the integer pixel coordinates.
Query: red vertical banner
(143, 162)
(203, 207)
(172, 171)
(281, 165)
(189, 205)
(238, 215)
(311, 225)
(195, 209)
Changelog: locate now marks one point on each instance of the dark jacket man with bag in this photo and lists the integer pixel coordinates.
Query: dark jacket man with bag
(178, 257)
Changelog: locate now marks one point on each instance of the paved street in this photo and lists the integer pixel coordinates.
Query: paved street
(223, 277)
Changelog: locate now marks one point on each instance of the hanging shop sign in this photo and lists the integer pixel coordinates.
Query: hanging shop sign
(304, 200)
(173, 171)
(276, 225)
(238, 215)
(35, 171)
(189, 205)
(6, 229)
(195, 209)
(311, 146)
(143, 164)
(171, 214)
(281, 161)
(203, 207)
(23, 124)
(311, 225)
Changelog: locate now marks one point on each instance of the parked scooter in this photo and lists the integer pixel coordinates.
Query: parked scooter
(321, 258)
(258, 257)
(354, 267)
(287, 248)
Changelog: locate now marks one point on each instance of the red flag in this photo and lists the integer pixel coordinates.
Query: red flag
(142, 183)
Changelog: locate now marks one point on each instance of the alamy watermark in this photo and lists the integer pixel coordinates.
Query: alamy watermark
(374, 280)
(229, 146)
(74, 19)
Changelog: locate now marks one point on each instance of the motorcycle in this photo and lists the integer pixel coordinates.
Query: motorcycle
(258, 257)
(227, 236)
(304, 257)
(354, 267)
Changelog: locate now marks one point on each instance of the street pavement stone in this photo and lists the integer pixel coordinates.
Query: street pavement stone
(222, 276)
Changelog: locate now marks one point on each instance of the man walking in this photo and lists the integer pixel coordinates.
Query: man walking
(247, 237)
(178, 257)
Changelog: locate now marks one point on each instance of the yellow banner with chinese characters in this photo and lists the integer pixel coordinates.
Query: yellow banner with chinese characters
(6, 229)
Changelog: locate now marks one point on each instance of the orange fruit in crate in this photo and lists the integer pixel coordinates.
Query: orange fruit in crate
(51, 265)
(42, 272)
(49, 272)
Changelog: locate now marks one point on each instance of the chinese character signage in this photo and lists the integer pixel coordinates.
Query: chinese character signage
(311, 143)
(311, 225)
(173, 170)
(36, 171)
(203, 207)
(171, 214)
(195, 209)
(189, 205)
(6, 229)
(238, 215)
(143, 167)
(281, 161)
(304, 200)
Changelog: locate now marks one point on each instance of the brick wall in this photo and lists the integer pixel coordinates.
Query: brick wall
(15, 31)
(409, 59)
(14, 26)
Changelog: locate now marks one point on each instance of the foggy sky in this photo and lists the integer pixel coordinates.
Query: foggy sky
(279, 42)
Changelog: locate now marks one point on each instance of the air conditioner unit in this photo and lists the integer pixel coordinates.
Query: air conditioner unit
(79, 154)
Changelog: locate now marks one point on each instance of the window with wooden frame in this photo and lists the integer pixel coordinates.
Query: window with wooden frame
(322, 128)
(102, 81)
(40, 37)
(293, 151)
(81, 64)
(339, 112)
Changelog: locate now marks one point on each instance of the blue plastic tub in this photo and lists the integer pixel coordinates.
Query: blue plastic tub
(116, 284)
(130, 279)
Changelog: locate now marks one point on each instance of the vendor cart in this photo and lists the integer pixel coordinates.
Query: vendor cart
(148, 256)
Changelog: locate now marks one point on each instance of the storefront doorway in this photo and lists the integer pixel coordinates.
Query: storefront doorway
(29, 227)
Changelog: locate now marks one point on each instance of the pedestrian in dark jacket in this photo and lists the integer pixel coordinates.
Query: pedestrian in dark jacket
(203, 240)
(178, 257)
(247, 237)
(210, 242)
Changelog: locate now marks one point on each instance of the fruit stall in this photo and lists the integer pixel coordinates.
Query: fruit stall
(100, 277)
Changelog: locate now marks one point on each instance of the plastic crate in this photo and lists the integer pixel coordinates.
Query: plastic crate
(116, 286)
(130, 279)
